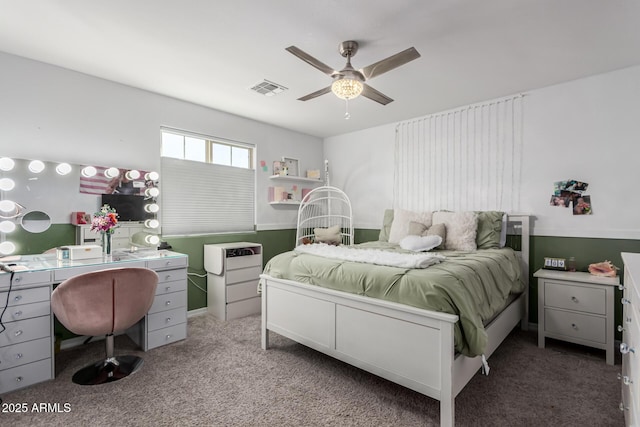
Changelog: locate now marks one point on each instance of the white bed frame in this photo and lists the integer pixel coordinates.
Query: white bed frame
(409, 346)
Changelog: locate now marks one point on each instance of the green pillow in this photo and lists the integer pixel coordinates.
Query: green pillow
(489, 228)
(386, 225)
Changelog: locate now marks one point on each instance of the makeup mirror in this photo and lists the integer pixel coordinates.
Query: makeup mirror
(35, 222)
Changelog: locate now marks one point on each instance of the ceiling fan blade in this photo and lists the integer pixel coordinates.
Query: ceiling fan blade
(388, 64)
(311, 60)
(315, 94)
(371, 93)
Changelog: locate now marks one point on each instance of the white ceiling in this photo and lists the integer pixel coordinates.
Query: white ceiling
(210, 52)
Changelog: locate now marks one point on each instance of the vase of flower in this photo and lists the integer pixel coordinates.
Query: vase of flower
(104, 222)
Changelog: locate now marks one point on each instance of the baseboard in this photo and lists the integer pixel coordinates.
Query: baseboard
(197, 312)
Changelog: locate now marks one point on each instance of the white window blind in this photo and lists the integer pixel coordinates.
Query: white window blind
(204, 198)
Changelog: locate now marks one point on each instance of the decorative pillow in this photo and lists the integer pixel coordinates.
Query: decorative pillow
(401, 220)
(330, 236)
(420, 243)
(386, 225)
(489, 229)
(461, 229)
(418, 229)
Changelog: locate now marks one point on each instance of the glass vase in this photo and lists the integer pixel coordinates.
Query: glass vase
(106, 243)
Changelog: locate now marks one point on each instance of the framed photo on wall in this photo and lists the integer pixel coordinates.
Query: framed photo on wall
(292, 165)
(277, 167)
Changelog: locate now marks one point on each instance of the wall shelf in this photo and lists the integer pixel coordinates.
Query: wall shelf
(294, 178)
(294, 203)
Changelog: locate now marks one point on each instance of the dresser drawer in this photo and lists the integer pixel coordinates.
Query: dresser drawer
(243, 275)
(237, 262)
(576, 325)
(25, 375)
(240, 291)
(167, 263)
(168, 287)
(579, 298)
(168, 302)
(26, 330)
(27, 311)
(167, 318)
(26, 296)
(172, 275)
(26, 352)
(167, 335)
(243, 308)
(25, 278)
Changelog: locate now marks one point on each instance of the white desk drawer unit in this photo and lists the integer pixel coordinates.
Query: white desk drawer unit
(233, 271)
(577, 307)
(630, 346)
(27, 337)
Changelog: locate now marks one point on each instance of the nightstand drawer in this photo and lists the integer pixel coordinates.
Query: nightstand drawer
(579, 298)
(243, 274)
(576, 325)
(240, 291)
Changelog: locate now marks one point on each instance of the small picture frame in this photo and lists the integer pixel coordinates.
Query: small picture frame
(292, 165)
(277, 167)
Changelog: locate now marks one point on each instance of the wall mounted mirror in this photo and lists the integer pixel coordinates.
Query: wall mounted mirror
(35, 222)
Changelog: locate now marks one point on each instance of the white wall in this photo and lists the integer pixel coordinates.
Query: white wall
(585, 129)
(54, 114)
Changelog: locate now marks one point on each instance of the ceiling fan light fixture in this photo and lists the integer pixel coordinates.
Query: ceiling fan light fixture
(346, 88)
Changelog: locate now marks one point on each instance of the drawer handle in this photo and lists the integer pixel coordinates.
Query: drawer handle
(19, 356)
(621, 287)
(625, 301)
(17, 297)
(168, 319)
(18, 379)
(18, 333)
(167, 277)
(168, 337)
(621, 328)
(168, 302)
(168, 288)
(624, 348)
(17, 313)
(574, 299)
(622, 407)
(17, 279)
(574, 326)
(167, 263)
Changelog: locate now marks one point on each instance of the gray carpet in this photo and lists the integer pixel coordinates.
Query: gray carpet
(220, 376)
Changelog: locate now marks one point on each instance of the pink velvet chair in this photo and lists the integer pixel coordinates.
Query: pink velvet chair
(102, 303)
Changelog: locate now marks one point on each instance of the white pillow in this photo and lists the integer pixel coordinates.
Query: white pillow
(461, 229)
(401, 220)
(420, 243)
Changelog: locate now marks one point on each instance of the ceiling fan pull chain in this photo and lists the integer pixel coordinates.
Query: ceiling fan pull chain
(347, 116)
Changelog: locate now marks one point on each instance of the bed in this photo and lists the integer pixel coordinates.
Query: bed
(426, 343)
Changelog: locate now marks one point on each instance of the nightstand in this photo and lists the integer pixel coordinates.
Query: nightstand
(577, 307)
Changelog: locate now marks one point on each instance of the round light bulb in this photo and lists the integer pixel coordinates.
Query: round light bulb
(112, 172)
(151, 176)
(63, 168)
(7, 184)
(7, 227)
(152, 223)
(7, 206)
(36, 166)
(7, 248)
(6, 164)
(89, 171)
(152, 207)
(152, 192)
(152, 239)
(132, 174)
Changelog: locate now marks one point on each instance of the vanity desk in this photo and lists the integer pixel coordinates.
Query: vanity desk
(27, 343)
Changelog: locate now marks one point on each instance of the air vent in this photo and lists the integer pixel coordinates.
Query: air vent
(268, 88)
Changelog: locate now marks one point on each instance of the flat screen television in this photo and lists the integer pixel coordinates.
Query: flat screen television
(129, 207)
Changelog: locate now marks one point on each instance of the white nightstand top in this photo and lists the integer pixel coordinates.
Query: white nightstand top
(577, 276)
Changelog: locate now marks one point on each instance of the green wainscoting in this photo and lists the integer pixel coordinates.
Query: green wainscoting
(585, 251)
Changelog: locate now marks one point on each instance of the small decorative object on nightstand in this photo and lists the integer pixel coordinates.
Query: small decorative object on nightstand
(576, 307)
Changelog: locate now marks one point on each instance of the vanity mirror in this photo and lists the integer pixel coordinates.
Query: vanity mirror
(35, 194)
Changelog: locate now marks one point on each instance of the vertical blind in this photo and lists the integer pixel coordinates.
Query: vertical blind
(465, 159)
(203, 198)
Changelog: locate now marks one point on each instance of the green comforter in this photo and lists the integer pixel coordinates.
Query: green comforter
(473, 285)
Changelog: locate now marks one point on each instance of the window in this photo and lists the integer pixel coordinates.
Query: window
(208, 184)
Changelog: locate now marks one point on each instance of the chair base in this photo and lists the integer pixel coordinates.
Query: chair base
(108, 370)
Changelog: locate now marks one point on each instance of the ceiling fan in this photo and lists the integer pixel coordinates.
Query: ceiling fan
(349, 83)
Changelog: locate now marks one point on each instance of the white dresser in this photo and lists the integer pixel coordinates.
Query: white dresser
(233, 271)
(577, 307)
(27, 344)
(630, 346)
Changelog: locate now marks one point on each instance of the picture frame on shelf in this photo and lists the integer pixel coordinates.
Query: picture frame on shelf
(291, 165)
(277, 167)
